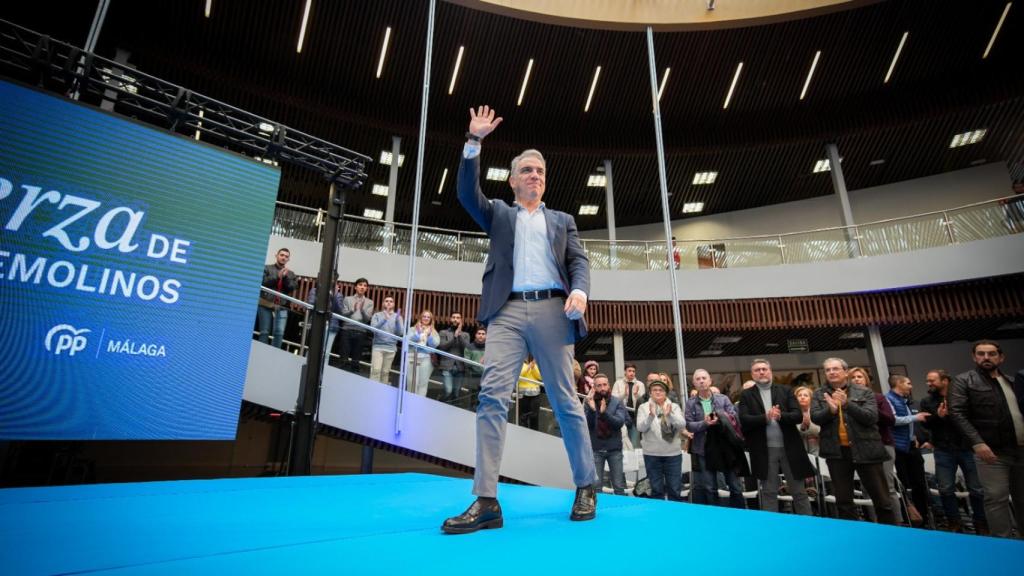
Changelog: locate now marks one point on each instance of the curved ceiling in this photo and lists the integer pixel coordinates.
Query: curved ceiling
(763, 146)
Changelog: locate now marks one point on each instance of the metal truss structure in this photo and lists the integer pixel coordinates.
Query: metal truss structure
(60, 67)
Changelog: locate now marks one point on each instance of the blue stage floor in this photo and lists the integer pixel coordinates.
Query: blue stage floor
(389, 524)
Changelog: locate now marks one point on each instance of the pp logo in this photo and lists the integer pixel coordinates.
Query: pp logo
(68, 339)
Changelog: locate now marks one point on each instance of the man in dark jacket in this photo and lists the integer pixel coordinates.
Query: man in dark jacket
(849, 441)
(272, 312)
(951, 450)
(769, 415)
(986, 406)
(605, 417)
(453, 341)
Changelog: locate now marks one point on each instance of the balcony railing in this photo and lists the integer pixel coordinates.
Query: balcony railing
(990, 219)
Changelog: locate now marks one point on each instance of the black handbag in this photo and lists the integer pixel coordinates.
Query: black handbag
(731, 429)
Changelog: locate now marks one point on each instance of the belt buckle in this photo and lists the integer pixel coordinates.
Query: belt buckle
(531, 295)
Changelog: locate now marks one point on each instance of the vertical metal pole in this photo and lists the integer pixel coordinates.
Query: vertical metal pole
(389, 211)
(94, 33)
(609, 208)
(402, 376)
(666, 217)
(876, 355)
(839, 185)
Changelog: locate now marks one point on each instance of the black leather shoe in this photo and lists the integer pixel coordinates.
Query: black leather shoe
(585, 505)
(480, 514)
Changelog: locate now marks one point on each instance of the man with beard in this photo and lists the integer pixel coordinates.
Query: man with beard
(605, 418)
(951, 450)
(986, 406)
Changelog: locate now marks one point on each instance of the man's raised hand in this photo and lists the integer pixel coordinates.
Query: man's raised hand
(482, 121)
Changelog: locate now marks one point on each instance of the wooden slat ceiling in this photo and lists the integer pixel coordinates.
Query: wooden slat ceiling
(763, 147)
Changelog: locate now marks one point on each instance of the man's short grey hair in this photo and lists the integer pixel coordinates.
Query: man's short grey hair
(760, 361)
(840, 360)
(531, 153)
(699, 370)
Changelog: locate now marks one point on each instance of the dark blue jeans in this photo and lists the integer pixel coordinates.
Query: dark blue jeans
(614, 460)
(946, 462)
(705, 485)
(665, 472)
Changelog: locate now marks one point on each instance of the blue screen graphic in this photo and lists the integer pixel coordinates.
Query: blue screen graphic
(130, 264)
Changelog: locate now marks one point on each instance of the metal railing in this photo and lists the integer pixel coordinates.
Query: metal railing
(989, 219)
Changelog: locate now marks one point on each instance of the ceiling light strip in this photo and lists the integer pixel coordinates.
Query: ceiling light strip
(526, 79)
(664, 80)
(444, 177)
(895, 57)
(383, 51)
(995, 32)
(810, 74)
(735, 79)
(302, 30)
(455, 72)
(209, 6)
(593, 86)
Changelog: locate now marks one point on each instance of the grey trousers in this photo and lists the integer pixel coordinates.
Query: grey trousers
(770, 487)
(1003, 482)
(541, 329)
(889, 468)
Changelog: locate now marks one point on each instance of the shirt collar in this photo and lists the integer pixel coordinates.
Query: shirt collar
(520, 207)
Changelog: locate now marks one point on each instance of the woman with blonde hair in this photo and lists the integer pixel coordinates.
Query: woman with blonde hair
(424, 334)
(886, 421)
(808, 430)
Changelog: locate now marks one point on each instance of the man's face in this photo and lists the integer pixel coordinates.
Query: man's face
(389, 304)
(762, 372)
(528, 180)
(933, 381)
(904, 388)
(456, 319)
(835, 374)
(283, 256)
(630, 373)
(481, 336)
(602, 387)
(987, 357)
(701, 381)
(652, 377)
(361, 288)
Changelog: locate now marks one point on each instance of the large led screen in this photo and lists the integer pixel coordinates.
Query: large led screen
(130, 263)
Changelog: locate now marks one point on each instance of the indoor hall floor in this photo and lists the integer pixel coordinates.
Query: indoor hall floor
(390, 524)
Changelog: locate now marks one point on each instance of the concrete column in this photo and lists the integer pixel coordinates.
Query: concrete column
(839, 185)
(609, 210)
(876, 355)
(620, 355)
(389, 212)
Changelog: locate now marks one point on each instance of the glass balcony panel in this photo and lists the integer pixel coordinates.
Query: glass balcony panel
(817, 246)
(903, 235)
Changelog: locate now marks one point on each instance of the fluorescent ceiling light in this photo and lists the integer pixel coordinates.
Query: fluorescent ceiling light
(209, 5)
(700, 178)
(852, 336)
(596, 352)
(878, 162)
(735, 79)
(711, 352)
(972, 137)
(895, 57)
(497, 174)
(386, 157)
(593, 86)
(693, 207)
(727, 339)
(589, 209)
(597, 181)
(824, 165)
(302, 30)
(383, 51)
(380, 190)
(266, 127)
(371, 213)
(455, 71)
(810, 74)
(995, 32)
(444, 177)
(664, 80)
(526, 79)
